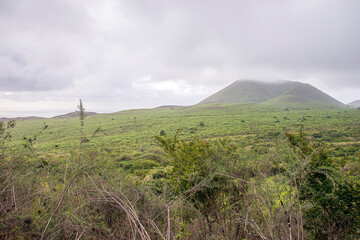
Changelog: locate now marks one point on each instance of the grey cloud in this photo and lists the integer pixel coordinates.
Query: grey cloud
(18, 75)
(102, 49)
(302, 37)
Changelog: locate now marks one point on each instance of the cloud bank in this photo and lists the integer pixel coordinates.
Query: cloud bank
(131, 54)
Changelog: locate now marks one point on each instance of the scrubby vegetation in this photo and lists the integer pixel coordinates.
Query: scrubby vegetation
(232, 172)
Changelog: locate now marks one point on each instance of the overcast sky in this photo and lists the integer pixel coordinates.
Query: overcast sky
(117, 54)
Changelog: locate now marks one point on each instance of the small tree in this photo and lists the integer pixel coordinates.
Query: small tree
(195, 175)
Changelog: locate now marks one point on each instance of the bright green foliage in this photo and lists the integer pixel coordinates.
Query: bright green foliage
(182, 233)
(315, 152)
(331, 200)
(196, 174)
(190, 161)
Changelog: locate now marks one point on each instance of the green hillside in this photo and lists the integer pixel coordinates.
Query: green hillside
(250, 91)
(124, 129)
(311, 93)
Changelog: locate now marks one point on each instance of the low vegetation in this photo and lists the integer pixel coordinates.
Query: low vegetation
(234, 171)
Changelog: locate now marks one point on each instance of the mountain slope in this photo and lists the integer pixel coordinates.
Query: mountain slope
(250, 91)
(306, 92)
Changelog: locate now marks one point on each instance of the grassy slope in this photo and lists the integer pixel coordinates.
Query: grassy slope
(256, 92)
(249, 91)
(128, 131)
(309, 92)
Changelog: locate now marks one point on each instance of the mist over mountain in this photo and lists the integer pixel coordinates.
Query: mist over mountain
(253, 91)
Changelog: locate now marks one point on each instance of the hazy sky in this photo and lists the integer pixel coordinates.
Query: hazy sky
(118, 54)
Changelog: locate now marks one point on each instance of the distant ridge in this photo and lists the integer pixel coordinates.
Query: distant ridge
(252, 91)
(355, 103)
(21, 118)
(169, 106)
(67, 115)
(74, 114)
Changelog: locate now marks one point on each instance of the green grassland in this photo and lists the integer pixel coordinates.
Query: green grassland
(251, 124)
(208, 171)
(126, 139)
